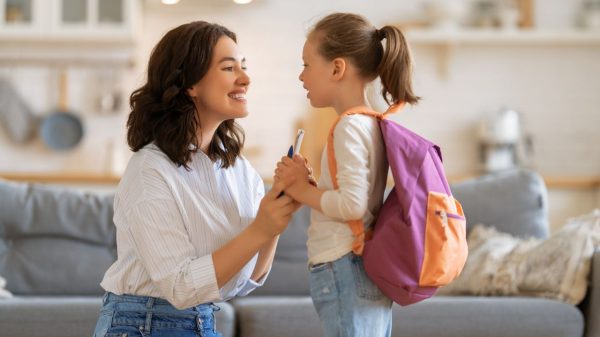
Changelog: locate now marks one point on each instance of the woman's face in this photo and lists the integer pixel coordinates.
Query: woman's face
(315, 75)
(221, 94)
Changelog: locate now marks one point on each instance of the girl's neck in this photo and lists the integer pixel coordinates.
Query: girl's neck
(350, 95)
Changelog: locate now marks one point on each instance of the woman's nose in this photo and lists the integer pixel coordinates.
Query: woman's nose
(243, 78)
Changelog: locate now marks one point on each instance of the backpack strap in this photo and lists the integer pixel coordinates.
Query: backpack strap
(357, 226)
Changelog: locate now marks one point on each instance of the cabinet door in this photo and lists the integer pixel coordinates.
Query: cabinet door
(21, 17)
(93, 18)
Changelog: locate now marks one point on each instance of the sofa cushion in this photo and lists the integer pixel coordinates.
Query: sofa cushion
(71, 317)
(289, 274)
(513, 201)
(438, 316)
(54, 240)
(277, 316)
(487, 316)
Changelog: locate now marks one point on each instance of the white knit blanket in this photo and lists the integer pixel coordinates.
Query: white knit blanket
(3, 292)
(558, 267)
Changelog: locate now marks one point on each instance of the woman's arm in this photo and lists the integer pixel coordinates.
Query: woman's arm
(260, 236)
(265, 259)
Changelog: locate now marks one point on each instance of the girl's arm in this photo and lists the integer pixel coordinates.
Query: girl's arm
(304, 190)
(350, 200)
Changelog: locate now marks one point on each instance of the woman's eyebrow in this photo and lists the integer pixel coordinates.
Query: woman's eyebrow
(229, 58)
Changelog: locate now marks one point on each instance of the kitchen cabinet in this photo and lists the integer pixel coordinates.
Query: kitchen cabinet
(68, 31)
(65, 19)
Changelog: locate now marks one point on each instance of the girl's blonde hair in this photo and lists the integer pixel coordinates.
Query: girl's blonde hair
(352, 36)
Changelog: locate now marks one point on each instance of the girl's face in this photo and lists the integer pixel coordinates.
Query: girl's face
(221, 94)
(316, 75)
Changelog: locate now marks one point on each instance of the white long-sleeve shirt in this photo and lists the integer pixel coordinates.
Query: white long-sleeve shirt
(362, 170)
(169, 222)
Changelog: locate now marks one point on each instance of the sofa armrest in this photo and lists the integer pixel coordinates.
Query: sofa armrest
(591, 308)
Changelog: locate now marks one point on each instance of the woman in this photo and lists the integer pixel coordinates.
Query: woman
(191, 225)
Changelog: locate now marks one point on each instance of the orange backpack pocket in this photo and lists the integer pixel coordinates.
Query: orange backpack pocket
(445, 249)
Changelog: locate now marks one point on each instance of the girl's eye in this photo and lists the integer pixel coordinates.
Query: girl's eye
(304, 65)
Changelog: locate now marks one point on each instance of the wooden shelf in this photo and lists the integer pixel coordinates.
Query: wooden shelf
(550, 181)
(472, 36)
(448, 41)
(51, 51)
(558, 182)
(63, 178)
(554, 182)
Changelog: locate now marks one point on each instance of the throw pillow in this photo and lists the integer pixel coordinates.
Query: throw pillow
(3, 292)
(558, 267)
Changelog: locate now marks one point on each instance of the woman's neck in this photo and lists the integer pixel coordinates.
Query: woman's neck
(205, 135)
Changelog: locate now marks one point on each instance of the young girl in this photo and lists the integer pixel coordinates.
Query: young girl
(342, 55)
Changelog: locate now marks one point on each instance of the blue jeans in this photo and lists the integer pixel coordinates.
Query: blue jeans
(349, 304)
(141, 316)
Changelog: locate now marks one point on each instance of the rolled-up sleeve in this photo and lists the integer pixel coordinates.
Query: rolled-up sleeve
(350, 200)
(162, 243)
(250, 285)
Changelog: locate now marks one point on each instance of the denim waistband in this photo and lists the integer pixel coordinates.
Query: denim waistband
(150, 302)
(148, 313)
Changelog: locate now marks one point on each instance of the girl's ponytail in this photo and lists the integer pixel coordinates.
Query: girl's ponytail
(395, 68)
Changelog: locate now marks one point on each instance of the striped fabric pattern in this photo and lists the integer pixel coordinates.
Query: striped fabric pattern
(169, 221)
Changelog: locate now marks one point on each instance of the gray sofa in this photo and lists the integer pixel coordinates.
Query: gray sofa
(56, 243)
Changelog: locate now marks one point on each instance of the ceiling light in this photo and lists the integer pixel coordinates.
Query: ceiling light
(169, 2)
(242, 2)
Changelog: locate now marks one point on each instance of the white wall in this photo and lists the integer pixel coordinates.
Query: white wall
(554, 87)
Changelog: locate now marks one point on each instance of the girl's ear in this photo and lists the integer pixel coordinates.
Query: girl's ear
(339, 68)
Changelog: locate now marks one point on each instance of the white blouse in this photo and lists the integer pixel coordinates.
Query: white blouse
(169, 222)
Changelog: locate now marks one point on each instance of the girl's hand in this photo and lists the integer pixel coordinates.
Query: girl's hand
(298, 169)
(275, 213)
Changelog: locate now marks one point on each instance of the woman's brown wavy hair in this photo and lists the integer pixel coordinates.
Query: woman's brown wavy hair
(161, 110)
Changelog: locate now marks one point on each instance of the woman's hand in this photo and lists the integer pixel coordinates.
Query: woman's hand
(298, 169)
(274, 213)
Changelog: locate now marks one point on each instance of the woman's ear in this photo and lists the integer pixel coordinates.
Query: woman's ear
(191, 92)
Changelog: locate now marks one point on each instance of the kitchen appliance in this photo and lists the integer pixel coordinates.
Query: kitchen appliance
(501, 141)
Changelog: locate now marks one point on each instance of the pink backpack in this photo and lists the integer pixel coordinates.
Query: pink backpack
(418, 242)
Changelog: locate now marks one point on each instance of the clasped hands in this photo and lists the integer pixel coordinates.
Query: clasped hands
(298, 169)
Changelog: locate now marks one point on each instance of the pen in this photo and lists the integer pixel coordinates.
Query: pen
(290, 154)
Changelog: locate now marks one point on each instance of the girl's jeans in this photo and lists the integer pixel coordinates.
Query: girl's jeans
(141, 316)
(349, 304)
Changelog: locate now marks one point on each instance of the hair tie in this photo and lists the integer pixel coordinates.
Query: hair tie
(380, 34)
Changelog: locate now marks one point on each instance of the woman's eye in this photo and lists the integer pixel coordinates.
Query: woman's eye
(244, 68)
(228, 68)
